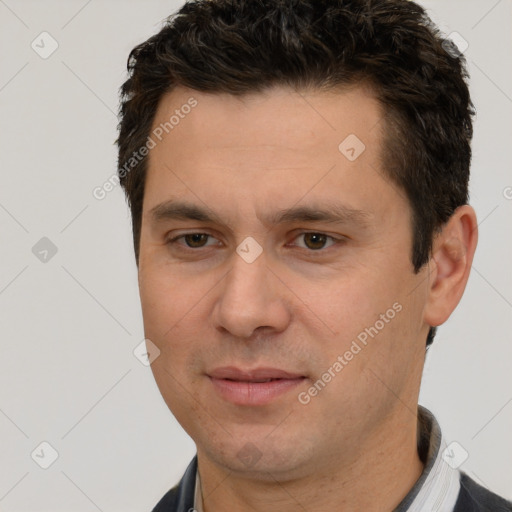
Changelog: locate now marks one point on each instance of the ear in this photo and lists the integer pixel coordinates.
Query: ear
(450, 264)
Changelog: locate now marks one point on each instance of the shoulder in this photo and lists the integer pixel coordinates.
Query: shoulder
(475, 498)
(168, 502)
(181, 497)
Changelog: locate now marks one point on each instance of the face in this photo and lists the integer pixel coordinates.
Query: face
(275, 278)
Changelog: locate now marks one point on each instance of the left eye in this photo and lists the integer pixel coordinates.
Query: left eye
(193, 240)
(316, 241)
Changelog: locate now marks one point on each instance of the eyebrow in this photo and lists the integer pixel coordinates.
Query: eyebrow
(328, 212)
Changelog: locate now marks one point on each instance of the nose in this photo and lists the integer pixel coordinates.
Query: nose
(251, 297)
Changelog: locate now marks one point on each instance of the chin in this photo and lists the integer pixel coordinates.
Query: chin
(260, 457)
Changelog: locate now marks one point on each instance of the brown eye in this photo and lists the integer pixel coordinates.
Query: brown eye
(196, 239)
(315, 241)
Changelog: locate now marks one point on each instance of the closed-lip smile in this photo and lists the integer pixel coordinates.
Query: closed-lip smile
(258, 386)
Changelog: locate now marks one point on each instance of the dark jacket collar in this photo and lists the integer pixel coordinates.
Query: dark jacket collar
(181, 497)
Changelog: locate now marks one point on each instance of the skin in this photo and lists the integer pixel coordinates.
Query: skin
(299, 305)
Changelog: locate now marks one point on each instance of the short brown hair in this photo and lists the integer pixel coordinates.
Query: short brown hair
(245, 46)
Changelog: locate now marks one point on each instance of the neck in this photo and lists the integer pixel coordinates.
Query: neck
(375, 476)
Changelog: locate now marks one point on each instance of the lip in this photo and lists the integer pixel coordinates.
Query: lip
(258, 386)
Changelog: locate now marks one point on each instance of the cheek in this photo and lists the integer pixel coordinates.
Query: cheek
(369, 318)
(164, 313)
(347, 304)
(173, 312)
(167, 302)
(157, 310)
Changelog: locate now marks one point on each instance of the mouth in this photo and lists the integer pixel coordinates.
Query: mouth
(253, 387)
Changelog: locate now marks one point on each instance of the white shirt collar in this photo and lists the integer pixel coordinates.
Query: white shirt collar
(438, 487)
(198, 499)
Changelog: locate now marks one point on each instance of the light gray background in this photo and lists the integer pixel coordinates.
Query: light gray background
(68, 326)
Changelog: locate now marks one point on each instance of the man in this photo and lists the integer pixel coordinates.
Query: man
(297, 173)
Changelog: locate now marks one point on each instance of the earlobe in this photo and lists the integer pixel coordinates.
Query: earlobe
(450, 265)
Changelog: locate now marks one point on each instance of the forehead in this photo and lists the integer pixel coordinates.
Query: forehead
(268, 147)
(277, 120)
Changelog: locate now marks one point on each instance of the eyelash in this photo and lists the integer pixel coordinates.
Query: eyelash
(174, 241)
